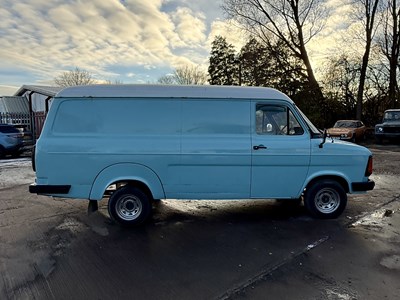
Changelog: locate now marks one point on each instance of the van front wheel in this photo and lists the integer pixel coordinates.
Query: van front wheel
(129, 206)
(325, 199)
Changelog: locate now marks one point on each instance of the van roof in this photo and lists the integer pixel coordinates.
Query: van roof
(170, 91)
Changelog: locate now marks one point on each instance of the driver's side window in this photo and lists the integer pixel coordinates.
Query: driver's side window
(276, 120)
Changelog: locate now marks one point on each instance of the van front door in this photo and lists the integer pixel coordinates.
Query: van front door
(280, 152)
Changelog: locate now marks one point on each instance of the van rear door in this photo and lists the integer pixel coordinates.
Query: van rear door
(280, 151)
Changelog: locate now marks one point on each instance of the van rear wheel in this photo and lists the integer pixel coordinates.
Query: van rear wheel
(129, 206)
(325, 199)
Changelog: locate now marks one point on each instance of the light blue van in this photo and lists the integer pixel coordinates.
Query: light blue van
(138, 143)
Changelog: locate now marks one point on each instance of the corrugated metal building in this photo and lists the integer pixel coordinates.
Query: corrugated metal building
(28, 107)
(14, 104)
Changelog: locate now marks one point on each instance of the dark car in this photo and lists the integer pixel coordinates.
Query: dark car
(11, 140)
(390, 127)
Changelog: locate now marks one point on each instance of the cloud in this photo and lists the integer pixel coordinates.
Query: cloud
(338, 34)
(231, 31)
(117, 38)
(190, 27)
(6, 90)
(47, 37)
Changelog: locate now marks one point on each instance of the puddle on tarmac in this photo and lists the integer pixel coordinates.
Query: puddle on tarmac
(377, 219)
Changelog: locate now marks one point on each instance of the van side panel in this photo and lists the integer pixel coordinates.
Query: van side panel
(87, 136)
(216, 150)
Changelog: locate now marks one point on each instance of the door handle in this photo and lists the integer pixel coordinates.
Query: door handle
(259, 147)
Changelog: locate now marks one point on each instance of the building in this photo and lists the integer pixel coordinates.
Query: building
(28, 108)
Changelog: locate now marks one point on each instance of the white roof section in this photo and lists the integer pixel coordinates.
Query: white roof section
(49, 91)
(171, 91)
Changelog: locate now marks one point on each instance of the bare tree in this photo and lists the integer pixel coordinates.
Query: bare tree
(167, 79)
(74, 77)
(293, 22)
(190, 75)
(185, 75)
(390, 45)
(340, 80)
(366, 11)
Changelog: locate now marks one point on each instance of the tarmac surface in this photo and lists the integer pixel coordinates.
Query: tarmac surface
(51, 249)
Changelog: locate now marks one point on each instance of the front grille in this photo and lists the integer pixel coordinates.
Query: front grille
(391, 129)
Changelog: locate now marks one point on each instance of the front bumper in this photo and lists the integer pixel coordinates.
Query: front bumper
(363, 186)
(49, 189)
(387, 134)
(14, 148)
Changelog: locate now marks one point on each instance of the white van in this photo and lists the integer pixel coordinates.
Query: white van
(191, 142)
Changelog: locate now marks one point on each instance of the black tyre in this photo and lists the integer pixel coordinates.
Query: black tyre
(325, 199)
(129, 206)
(16, 154)
(2, 152)
(33, 158)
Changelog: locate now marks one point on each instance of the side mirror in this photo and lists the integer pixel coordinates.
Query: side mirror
(324, 138)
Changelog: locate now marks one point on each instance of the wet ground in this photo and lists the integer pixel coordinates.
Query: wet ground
(51, 249)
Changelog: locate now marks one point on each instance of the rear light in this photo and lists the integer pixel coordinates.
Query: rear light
(368, 171)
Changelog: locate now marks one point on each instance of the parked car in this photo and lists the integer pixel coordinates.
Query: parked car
(11, 140)
(351, 130)
(390, 127)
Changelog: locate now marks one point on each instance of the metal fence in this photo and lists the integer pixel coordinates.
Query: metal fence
(31, 123)
(38, 121)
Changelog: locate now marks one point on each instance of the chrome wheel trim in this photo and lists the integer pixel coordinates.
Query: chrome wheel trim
(327, 200)
(129, 207)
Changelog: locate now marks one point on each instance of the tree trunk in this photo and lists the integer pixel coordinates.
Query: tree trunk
(363, 75)
(394, 57)
(370, 7)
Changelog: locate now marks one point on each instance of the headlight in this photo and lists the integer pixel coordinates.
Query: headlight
(379, 129)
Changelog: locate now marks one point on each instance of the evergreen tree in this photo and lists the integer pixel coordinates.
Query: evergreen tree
(254, 64)
(224, 68)
(286, 70)
(271, 64)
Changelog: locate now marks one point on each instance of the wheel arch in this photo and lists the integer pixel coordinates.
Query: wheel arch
(338, 178)
(136, 175)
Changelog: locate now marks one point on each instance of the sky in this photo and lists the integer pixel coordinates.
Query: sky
(129, 41)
